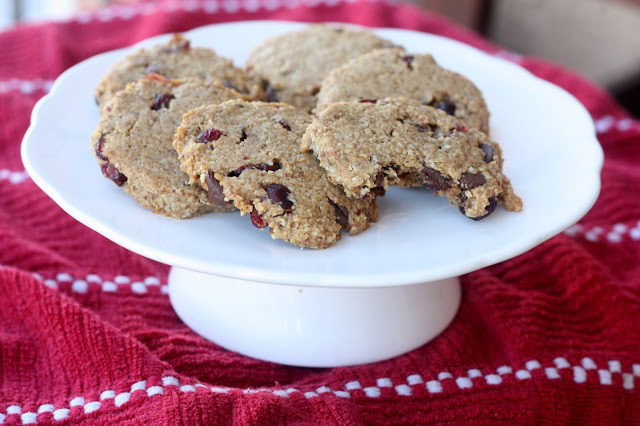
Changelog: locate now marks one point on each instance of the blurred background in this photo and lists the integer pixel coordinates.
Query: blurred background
(600, 39)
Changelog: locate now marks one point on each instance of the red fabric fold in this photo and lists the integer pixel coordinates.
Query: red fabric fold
(87, 333)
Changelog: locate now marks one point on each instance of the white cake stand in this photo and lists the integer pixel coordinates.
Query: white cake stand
(312, 326)
(369, 297)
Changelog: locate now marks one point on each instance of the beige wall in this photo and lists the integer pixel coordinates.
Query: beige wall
(599, 38)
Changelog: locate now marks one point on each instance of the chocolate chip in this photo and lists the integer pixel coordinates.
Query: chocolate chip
(162, 101)
(256, 220)
(368, 101)
(408, 60)
(285, 125)
(488, 152)
(214, 190)
(227, 83)
(434, 179)
(270, 93)
(209, 135)
(378, 191)
(342, 215)
(99, 147)
(447, 106)
(425, 127)
(279, 194)
(471, 180)
(243, 136)
(261, 166)
(490, 208)
(109, 170)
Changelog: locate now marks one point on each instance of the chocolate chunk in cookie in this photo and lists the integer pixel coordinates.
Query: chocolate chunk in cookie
(255, 157)
(367, 146)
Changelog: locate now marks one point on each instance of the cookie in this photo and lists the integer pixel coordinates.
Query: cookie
(173, 60)
(249, 152)
(293, 65)
(133, 143)
(367, 146)
(388, 73)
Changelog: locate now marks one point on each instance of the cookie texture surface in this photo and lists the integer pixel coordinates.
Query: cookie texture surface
(293, 65)
(367, 146)
(249, 152)
(133, 143)
(388, 73)
(173, 60)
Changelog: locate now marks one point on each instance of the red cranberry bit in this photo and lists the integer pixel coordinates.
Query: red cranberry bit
(279, 194)
(109, 170)
(256, 220)
(162, 101)
(447, 106)
(471, 180)
(214, 190)
(408, 60)
(342, 214)
(488, 152)
(99, 147)
(262, 166)
(285, 125)
(434, 179)
(368, 101)
(454, 129)
(209, 135)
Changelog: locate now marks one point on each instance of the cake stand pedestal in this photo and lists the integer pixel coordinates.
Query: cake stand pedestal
(312, 326)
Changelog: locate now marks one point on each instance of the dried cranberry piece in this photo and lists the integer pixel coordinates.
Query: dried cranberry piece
(261, 166)
(488, 152)
(279, 194)
(209, 135)
(162, 101)
(256, 220)
(434, 179)
(99, 147)
(214, 190)
(285, 125)
(109, 170)
(270, 93)
(341, 213)
(471, 180)
(447, 106)
(368, 101)
(408, 60)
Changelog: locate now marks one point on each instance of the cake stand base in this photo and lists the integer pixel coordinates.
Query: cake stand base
(312, 326)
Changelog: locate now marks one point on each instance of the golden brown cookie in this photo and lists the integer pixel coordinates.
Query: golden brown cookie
(133, 143)
(249, 152)
(367, 146)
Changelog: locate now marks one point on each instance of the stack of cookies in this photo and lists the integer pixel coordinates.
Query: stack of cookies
(185, 132)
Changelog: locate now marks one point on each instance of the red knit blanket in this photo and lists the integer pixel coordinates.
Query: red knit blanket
(87, 333)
